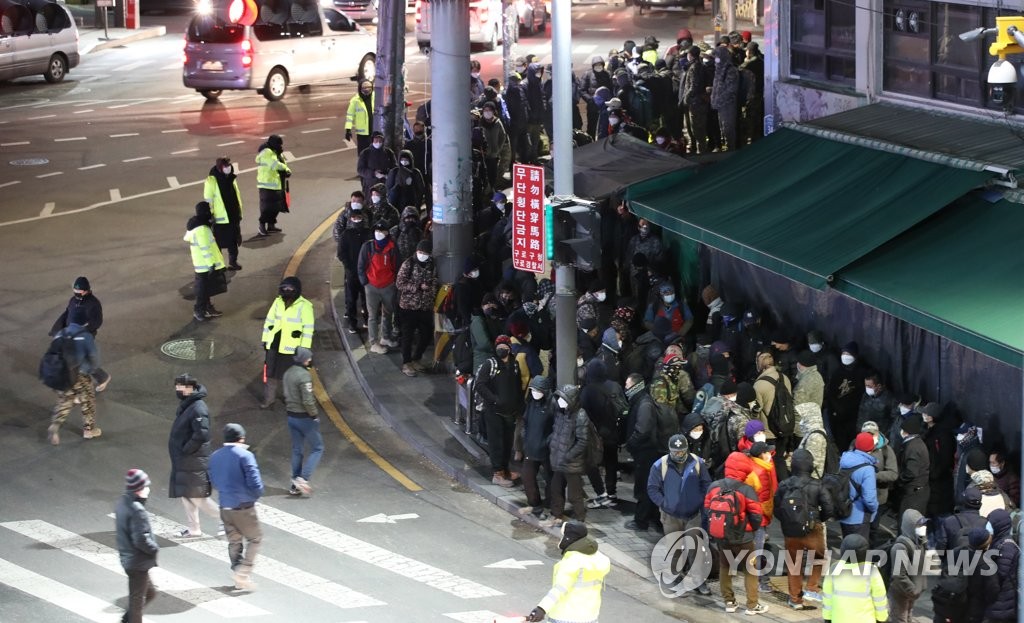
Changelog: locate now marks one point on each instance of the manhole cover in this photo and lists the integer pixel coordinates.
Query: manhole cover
(196, 350)
(30, 162)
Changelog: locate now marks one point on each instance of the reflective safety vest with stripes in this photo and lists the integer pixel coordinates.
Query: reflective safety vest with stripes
(268, 170)
(854, 593)
(212, 195)
(294, 322)
(575, 594)
(358, 117)
(206, 255)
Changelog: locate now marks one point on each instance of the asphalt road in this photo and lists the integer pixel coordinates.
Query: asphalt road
(98, 176)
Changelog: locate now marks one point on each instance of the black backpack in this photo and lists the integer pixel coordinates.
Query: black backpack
(793, 511)
(831, 451)
(462, 352)
(56, 370)
(838, 484)
(668, 424)
(782, 417)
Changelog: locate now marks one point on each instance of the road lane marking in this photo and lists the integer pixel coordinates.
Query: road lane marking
(52, 174)
(229, 143)
(271, 569)
(126, 134)
(137, 159)
(377, 556)
(5, 184)
(271, 121)
(584, 49)
(477, 616)
(70, 138)
(98, 554)
(173, 182)
(91, 166)
(47, 208)
(115, 194)
(131, 66)
(15, 144)
(41, 117)
(175, 65)
(184, 151)
(61, 595)
(173, 131)
(322, 96)
(220, 127)
(78, 112)
(288, 156)
(312, 119)
(316, 130)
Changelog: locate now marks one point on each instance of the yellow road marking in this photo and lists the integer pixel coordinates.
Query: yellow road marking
(318, 388)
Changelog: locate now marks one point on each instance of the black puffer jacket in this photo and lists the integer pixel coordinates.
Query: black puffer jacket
(1002, 606)
(819, 501)
(500, 385)
(596, 400)
(538, 421)
(93, 311)
(135, 542)
(642, 424)
(189, 447)
(569, 436)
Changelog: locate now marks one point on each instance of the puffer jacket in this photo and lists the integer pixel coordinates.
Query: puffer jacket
(908, 578)
(411, 277)
(865, 504)
(737, 468)
(766, 482)
(189, 447)
(1002, 606)
(887, 470)
(819, 501)
(569, 435)
(408, 233)
(136, 544)
(538, 421)
(725, 88)
(596, 400)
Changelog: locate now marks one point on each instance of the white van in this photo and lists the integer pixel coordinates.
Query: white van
(293, 42)
(38, 37)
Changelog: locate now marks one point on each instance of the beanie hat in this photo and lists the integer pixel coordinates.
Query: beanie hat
(978, 538)
(472, 263)
(302, 355)
(136, 480)
(204, 211)
(806, 359)
(869, 427)
(855, 545)
(746, 35)
(519, 328)
(684, 33)
(678, 443)
(972, 497)
(610, 339)
(864, 442)
(780, 336)
(983, 478)
(424, 246)
(931, 409)
(503, 339)
(81, 284)
(977, 459)
(728, 387)
(759, 448)
(78, 315)
(752, 428)
(275, 141)
(852, 348)
(292, 283)
(377, 134)
(662, 326)
(745, 395)
(912, 424)
(186, 379)
(233, 433)
(588, 323)
(572, 531)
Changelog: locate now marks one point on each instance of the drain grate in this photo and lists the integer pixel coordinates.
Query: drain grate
(191, 349)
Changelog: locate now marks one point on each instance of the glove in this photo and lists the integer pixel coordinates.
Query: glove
(348, 135)
(537, 614)
(296, 333)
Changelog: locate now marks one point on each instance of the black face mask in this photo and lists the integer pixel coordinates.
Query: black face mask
(79, 297)
(180, 394)
(289, 295)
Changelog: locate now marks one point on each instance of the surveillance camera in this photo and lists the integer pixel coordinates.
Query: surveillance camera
(1002, 78)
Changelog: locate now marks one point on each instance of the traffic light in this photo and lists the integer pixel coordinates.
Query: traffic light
(576, 231)
(242, 12)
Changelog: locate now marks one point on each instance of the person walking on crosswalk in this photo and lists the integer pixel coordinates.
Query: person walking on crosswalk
(303, 421)
(135, 543)
(236, 476)
(578, 581)
(189, 447)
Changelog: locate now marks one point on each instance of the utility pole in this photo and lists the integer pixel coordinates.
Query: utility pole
(389, 85)
(561, 148)
(452, 180)
(509, 26)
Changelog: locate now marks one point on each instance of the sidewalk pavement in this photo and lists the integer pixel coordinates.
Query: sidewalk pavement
(94, 39)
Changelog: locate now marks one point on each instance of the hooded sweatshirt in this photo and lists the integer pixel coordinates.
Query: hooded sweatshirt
(538, 420)
(908, 579)
(817, 497)
(569, 435)
(1002, 605)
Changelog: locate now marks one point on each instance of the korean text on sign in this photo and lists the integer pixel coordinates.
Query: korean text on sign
(528, 250)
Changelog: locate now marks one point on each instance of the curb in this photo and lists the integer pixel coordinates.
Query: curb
(143, 33)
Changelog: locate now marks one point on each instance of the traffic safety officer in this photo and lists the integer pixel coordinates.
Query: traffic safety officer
(289, 326)
(271, 172)
(206, 259)
(221, 191)
(357, 120)
(575, 593)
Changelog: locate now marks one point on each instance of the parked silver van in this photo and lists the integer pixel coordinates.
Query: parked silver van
(37, 37)
(293, 42)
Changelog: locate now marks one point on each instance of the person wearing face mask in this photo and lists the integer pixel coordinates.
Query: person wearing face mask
(378, 267)
(221, 191)
(802, 506)
(498, 150)
(476, 84)
(1001, 596)
(825, 359)
(843, 393)
(417, 287)
(206, 260)
(663, 141)
(592, 304)
(380, 209)
(1006, 477)
(903, 405)
(420, 146)
(877, 404)
(189, 448)
(500, 388)
(908, 579)
(468, 292)
(357, 201)
(288, 326)
(538, 422)
(671, 307)
(408, 233)
(350, 241)
(753, 432)
(404, 183)
(937, 434)
(772, 383)
(360, 115)
(694, 100)
(524, 352)
(912, 485)
(647, 244)
(860, 465)
(578, 582)
(969, 457)
(569, 458)
(84, 362)
(677, 484)
(136, 543)
(809, 391)
(537, 108)
(82, 297)
(724, 98)
(518, 112)
(374, 162)
(596, 77)
(303, 422)
(605, 404)
(642, 443)
(236, 476)
(887, 472)
(608, 354)
(272, 174)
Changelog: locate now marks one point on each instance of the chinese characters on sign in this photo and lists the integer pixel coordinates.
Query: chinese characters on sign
(528, 251)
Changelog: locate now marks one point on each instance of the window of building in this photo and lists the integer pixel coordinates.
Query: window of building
(823, 44)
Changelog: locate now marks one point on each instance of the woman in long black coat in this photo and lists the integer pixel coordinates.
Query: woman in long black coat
(189, 448)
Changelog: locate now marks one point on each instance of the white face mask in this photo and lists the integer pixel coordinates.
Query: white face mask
(847, 359)
(473, 274)
(659, 140)
(536, 394)
(995, 469)
(718, 61)
(144, 493)
(377, 144)
(600, 296)
(488, 115)
(579, 362)
(356, 205)
(375, 199)
(379, 235)
(730, 398)
(696, 433)
(905, 410)
(668, 298)
(927, 419)
(921, 531)
(422, 257)
(562, 404)
(226, 170)
(475, 74)
(405, 163)
(500, 205)
(870, 391)
(815, 348)
(760, 437)
(960, 437)
(613, 120)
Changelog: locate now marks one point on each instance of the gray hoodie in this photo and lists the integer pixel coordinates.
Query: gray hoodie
(908, 579)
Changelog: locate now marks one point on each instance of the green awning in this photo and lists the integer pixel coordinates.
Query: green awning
(800, 205)
(959, 275)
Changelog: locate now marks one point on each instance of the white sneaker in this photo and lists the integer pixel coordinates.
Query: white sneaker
(378, 348)
(758, 609)
(389, 343)
(302, 485)
(243, 582)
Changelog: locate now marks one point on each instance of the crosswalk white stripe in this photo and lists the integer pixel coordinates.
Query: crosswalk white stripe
(62, 595)
(275, 571)
(478, 616)
(130, 66)
(108, 558)
(376, 556)
(584, 49)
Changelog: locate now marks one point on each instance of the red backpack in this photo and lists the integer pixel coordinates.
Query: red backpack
(727, 519)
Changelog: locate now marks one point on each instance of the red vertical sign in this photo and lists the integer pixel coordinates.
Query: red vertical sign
(528, 250)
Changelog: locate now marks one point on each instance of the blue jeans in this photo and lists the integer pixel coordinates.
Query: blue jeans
(305, 430)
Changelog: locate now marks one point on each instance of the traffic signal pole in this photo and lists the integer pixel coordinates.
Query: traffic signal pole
(452, 213)
(389, 85)
(561, 148)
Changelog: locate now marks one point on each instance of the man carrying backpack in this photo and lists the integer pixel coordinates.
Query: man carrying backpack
(906, 557)
(79, 357)
(642, 424)
(953, 530)
(734, 514)
(802, 504)
(775, 395)
(498, 383)
(859, 468)
(914, 467)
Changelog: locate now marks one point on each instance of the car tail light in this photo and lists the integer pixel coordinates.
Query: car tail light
(184, 51)
(419, 11)
(246, 53)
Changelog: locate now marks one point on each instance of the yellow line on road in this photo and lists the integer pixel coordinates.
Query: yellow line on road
(318, 388)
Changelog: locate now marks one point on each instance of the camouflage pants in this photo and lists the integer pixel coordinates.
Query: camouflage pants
(83, 391)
